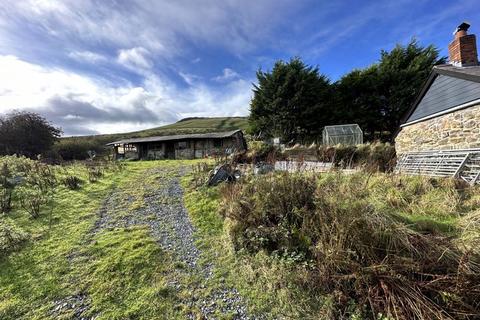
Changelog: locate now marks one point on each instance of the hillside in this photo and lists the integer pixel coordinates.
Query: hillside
(184, 126)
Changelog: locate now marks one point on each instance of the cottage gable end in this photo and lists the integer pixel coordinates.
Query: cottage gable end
(445, 94)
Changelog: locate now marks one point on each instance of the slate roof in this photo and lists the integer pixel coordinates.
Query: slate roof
(447, 87)
(211, 135)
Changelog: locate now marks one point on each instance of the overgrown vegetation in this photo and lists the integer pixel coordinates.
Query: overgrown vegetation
(31, 187)
(359, 246)
(370, 157)
(78, 148)
(363, 248)
(365, 245)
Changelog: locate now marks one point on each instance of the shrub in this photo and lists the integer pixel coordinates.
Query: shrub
(6, 188)
(36, 189)
(77, 148)
(72, 182)
(268, 213)
(94, 173)
(11, 237)
(259, 151)
(371, 156)
(357, 250)
(200, 173)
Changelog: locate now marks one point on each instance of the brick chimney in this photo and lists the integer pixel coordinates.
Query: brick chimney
(462, 51)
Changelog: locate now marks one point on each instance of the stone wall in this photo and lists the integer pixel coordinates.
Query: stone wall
(456, 130)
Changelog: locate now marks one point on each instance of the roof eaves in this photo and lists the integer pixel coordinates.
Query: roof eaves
(457, 74)
(210, 135)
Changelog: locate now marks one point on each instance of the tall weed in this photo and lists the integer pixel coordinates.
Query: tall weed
(355, 244)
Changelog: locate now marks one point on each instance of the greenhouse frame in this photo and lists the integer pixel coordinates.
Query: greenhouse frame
(346, 134)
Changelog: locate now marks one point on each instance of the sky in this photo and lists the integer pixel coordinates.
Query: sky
(105, 66)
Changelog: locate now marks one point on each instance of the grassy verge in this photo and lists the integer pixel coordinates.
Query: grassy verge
(122, 271)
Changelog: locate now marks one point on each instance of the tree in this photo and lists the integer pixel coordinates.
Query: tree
(377, 97)
(290, 102)
(26, 133)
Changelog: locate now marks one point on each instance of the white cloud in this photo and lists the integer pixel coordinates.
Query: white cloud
(85, 105)
(189, 78)
(227, 75)
(135, 58)
(87, 56)
(158, 26)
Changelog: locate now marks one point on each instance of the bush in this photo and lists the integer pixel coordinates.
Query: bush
(11, 237)
(27, 182)
(72, 182)
(356, 249)
(371, 156)
(77, 148)
(94, 173)
(6, 188)
(259, 151)
(36, 189)
(269, 213)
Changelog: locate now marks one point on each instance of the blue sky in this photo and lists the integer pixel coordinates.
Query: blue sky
(111, 66)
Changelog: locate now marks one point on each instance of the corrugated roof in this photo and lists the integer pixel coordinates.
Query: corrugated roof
(210, 135)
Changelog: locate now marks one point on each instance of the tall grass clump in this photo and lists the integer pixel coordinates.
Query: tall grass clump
(11, 237)
(370, 156)
(367, 259)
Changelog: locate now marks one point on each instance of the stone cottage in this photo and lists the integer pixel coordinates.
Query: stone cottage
(446, 114)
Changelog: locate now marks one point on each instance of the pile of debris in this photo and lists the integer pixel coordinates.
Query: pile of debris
(223, 173)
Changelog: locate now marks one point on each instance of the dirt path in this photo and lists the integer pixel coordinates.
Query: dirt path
(162, 209)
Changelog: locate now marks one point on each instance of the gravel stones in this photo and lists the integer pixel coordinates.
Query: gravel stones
(164, 213)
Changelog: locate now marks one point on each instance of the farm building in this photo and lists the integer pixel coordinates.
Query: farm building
(188, 146)
(446, 114)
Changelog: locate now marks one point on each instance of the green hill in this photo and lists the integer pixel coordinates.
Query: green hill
(73, 147)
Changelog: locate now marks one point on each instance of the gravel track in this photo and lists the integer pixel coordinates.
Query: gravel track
(164, 212)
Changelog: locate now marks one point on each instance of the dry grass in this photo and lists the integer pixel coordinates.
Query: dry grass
(357, 240)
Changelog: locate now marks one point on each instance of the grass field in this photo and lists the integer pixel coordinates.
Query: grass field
(118, 248)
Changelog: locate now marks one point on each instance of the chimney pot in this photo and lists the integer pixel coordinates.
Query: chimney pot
(462, 51)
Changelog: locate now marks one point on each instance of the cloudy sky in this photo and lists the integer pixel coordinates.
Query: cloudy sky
(102, 66)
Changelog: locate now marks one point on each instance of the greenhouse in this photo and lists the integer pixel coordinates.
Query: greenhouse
(347, 134)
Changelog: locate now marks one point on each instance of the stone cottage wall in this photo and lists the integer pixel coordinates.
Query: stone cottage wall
(456, 130)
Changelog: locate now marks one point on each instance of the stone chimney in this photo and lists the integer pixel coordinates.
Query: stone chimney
(462, 51)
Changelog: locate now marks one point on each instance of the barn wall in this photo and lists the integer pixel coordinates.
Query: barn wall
(155, 151)
(193, 149)
(456, 130)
